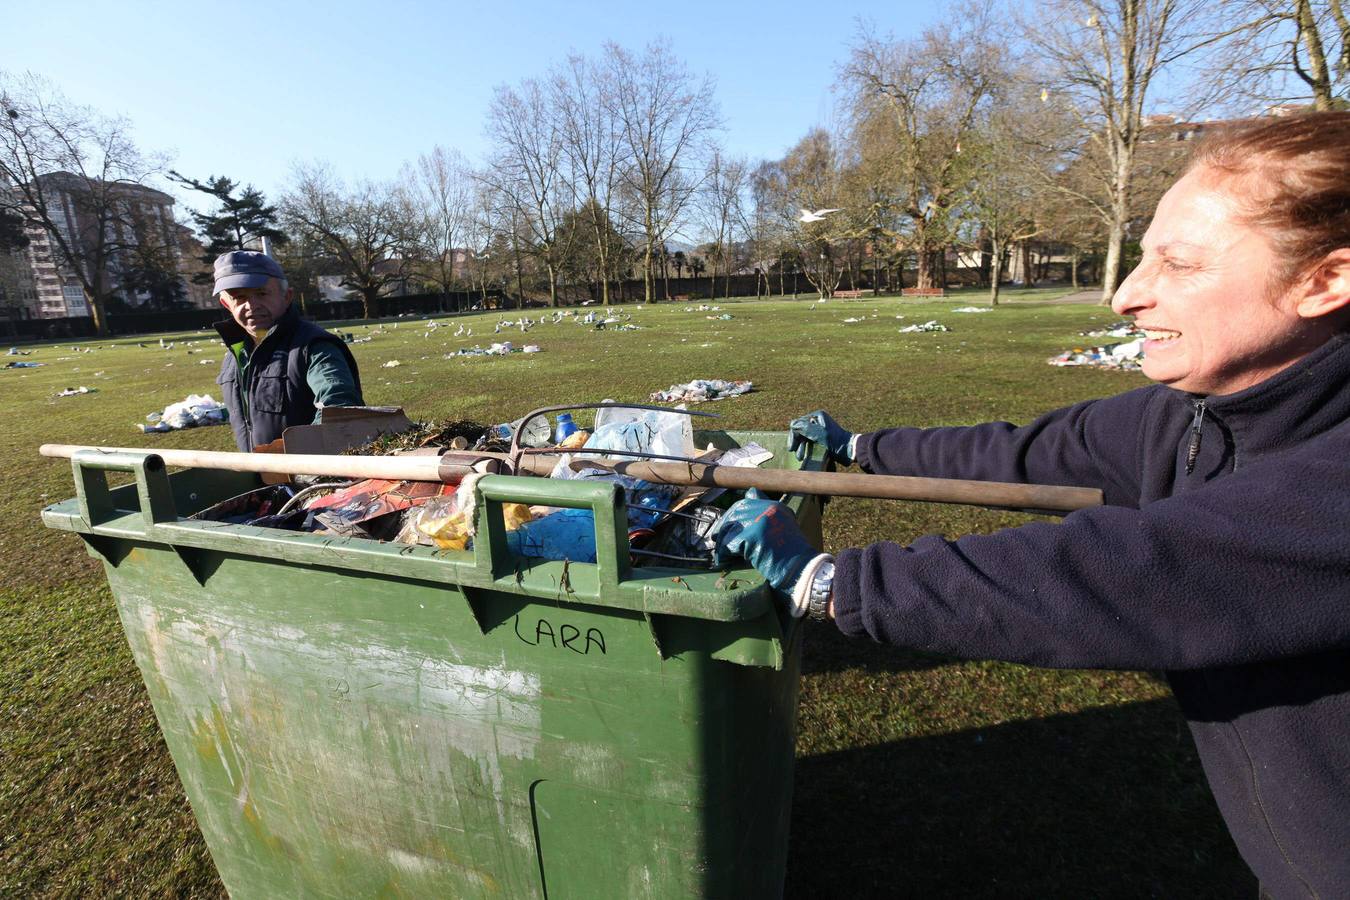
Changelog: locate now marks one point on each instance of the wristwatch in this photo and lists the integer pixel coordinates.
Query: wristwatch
(818, 597)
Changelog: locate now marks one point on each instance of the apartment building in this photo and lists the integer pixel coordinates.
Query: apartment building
(142, 217)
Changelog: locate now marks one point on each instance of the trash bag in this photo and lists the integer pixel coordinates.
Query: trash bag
(642, 431)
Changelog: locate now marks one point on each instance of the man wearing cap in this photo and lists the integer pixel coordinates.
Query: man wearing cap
(281, 369)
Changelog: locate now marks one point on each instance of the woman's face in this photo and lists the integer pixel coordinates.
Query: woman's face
(1207, 294)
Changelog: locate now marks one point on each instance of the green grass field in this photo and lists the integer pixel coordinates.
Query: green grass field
(917, 776)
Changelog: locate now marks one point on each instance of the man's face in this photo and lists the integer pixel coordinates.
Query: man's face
(1206, 295)
(257, 309)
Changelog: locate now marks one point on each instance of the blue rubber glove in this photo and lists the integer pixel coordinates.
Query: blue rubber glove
(765, 534)
(818, 428)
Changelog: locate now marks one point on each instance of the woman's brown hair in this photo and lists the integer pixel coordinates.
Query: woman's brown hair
(1294, 173)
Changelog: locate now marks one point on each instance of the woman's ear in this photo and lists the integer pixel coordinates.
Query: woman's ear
(1326, 289)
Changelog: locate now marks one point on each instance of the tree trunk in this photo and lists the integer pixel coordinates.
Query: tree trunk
(1115, 244)
(923, 278)
(1073, 269)
(1120, 216)
(984, 241)
(995, 257)
(1316, 76)
(602, 255)
(648, 277)
(96, 312)
(553, 286)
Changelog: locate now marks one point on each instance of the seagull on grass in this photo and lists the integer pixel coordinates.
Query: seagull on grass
(817, 216)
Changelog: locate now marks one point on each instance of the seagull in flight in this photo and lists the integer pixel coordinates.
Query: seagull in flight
(817, 216)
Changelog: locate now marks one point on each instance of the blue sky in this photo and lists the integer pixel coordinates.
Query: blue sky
(246, 89)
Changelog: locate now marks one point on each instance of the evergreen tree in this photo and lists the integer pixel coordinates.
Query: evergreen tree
(243, 217)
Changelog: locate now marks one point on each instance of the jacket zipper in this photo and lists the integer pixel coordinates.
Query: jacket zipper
(1193, 450)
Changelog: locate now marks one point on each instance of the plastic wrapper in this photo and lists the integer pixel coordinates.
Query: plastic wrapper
(448, 522)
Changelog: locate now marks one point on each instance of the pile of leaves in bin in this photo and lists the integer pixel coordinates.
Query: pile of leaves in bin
(433, 434)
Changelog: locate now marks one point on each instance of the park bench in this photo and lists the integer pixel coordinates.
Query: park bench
(848, 295)
(923, 292)
(680, 297)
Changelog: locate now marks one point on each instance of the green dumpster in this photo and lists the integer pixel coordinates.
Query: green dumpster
(351, 718)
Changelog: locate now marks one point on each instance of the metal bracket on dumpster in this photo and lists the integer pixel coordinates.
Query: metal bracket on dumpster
(492, 554)
(91, 468)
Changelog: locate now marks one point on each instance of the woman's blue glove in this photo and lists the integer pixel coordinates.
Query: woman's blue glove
(765, 534)
(819, 428)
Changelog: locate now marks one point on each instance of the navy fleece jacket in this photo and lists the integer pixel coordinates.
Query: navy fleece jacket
(1234, 577)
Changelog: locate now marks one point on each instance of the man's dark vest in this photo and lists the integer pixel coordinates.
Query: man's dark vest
(278, 394)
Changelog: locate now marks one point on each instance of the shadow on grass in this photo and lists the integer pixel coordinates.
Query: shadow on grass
(828, 650)
(1105, 803)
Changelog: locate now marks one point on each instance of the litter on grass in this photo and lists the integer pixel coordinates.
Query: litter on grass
(22, 365)
(973, 309)
(1126, 356)
(196, 411)
(505, 348)
(925, 327)
(392, 364)
(71, 392)
(700, 390)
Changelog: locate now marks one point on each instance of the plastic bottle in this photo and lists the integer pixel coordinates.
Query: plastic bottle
(566, 427)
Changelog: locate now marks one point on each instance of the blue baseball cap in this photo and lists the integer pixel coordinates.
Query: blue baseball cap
(245, 269)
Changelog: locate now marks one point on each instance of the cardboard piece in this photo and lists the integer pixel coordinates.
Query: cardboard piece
(272, 447)
(345, 427)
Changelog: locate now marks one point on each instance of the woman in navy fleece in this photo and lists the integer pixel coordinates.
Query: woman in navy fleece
(1222, 555)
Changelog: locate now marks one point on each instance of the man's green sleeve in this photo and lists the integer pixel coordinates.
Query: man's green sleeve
(330, 378)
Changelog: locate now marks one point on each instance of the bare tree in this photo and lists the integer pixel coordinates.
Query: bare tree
(722, 202)
(73, 174)
(439, 191)
(526, 170)
(810, 178)
(773, 222)
(482, 227)
(665, 118)
(930, 91)
(595, 153)
(367, 228)
(1010, 177)
(1105, 58)
(1289, 51)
